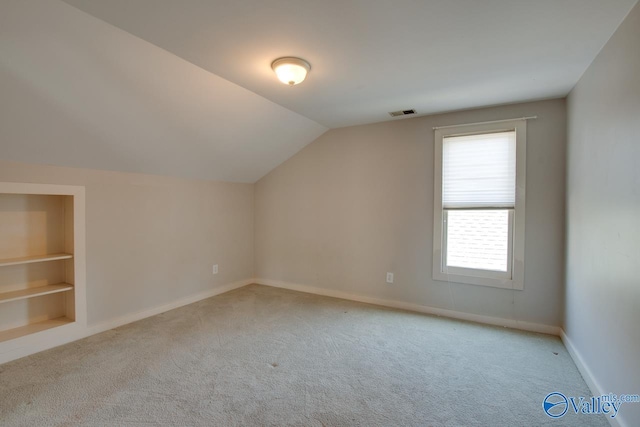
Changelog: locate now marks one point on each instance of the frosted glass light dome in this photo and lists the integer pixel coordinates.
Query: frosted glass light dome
(291, 71)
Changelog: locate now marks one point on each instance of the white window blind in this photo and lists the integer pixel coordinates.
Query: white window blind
(479, 171)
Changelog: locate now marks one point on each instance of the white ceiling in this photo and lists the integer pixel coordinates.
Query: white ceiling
(76, 91)
(184, 87)
(370, 57)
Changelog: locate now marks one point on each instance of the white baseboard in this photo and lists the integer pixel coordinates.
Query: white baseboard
(587, 375)
(45, 340)
(508, 323)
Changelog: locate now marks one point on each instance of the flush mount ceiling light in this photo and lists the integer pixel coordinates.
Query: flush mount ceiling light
(291, 71)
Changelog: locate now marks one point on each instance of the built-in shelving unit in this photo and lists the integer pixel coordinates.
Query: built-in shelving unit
(41, 264)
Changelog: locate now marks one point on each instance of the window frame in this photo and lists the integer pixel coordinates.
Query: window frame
(490, 278)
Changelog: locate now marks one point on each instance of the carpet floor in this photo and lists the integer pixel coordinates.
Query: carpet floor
(261, 356)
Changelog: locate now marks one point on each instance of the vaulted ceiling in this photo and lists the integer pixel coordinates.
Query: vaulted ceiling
(370, 57)
(185, 87)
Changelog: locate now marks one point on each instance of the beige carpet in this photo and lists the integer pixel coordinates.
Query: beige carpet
(261, 356)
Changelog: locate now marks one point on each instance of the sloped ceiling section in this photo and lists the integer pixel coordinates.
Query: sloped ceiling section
(79, 92)
(369, 57)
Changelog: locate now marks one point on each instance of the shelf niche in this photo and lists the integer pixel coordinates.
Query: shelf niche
(38, 260)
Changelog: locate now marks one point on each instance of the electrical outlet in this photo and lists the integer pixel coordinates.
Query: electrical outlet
(389, 277)
(215, 268)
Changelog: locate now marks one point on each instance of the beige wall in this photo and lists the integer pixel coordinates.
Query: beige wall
(603, 217)
(152, 240)
(358, 202)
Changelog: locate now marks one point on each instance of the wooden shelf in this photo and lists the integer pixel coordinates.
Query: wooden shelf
(30, 259)
(33, 328)
(42, 267)
(34, 292)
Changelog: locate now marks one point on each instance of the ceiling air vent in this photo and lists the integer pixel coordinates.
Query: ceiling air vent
(402, 113)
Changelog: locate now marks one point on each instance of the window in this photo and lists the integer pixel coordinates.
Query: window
(479, 199)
